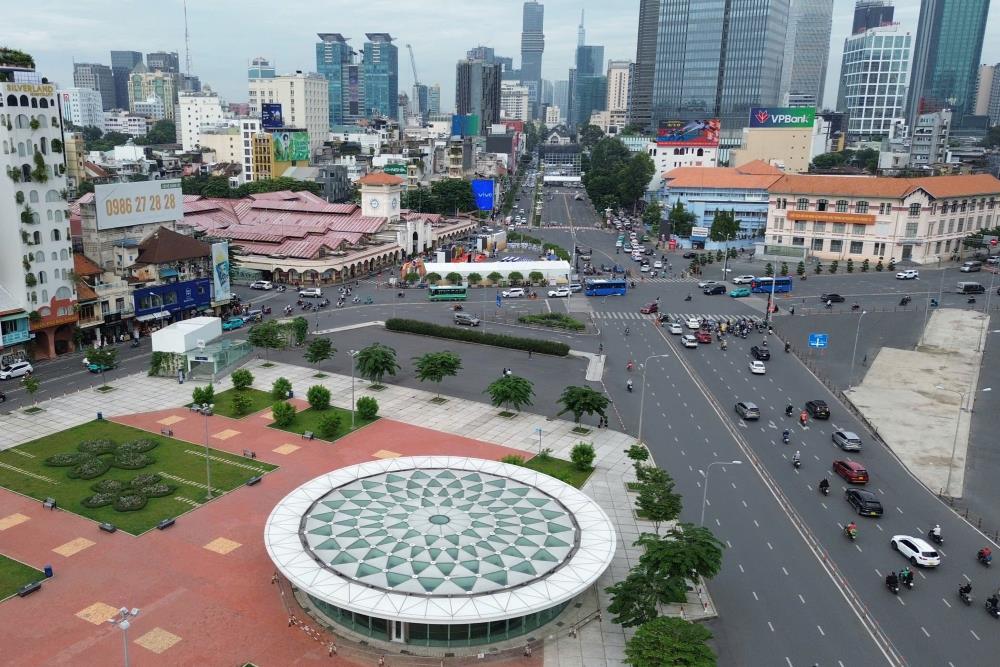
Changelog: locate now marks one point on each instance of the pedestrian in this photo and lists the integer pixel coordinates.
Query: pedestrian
(529, 354)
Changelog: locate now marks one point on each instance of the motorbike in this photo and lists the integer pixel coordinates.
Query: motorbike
(991, 610)
(266, 310)
(785, 437)
(723, 345)
(965, 597)
(400, 295)
(851, 534)
(457, 307)
(3, 397)
(936, 539)
(788, 411)
(796, 463)
(687, 298)
(134, 343)
(908, 582)
(892, 587)
(369, 300)
(280, 288)
(972, 299)
(904, 301)
(788, 347)
(855, 306)
(628, 385)
(985, 560)
(825, 490)
(288, 310)
(356, 300)
(934, 303)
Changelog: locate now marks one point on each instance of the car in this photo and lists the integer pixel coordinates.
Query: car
(852, 471)
(559, 292)
(233, 323)
(747, 410)
(618, 243)
(994, 259)
(693, 323)
(689, 255)
(466, 318)
(644, 268)
(687, 340)
(627, 247)
(311, 292)
(739, 292)
(909, 274)
(703, 336)
(261, 284)
(761, 353)
(657, 264)
(757, 367)
(847, 440)
(743, 280)
(16, 370)
(916, 550)
(99, 368)
(650, 308)
(675, 328)
(513, 293)
(818, 409)
(575, 287)
(834, 298)
(712, 290)
(702, 284)
(649, 251)
(863, 501)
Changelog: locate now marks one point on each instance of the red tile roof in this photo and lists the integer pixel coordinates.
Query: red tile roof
(755, 175)
(380, 178)
(938, 187)
(84, 266)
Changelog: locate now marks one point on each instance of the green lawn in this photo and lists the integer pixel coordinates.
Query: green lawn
(560, 469)
(308, 420)
(182, 464)
(15, 574)
(258, 401)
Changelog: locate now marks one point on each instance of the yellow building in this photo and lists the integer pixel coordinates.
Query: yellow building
(788, 149)
(75, 154)
(262, 146)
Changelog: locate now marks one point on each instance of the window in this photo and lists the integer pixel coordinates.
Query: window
(911, 230)
(884, 208)
(839, 227)
(962, 206)
(55, 235)
(800, 226)
(798, 240)
(781, 203)
(841, 206)
(822, 204)
(951, 226)
(940, 227)
(819, 227)
(836, 245)
(817, 244)
(802, 204)
(915, 210)
(857, 230)
(42, 278)
(857, 247)
(961, 223)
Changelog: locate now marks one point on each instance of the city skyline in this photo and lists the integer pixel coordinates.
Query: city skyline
(440, 36)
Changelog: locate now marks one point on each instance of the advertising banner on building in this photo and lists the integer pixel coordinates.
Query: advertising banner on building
(220, 271)
(291, 145)
(466, 125)
(782, 118)
(395, 168)
(694, 133)
(138, 203)
(270, 116)
(482, 189)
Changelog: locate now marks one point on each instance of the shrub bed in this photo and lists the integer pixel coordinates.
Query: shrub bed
(553, 321)
(469, 336)
(90, 468)
(97, 447)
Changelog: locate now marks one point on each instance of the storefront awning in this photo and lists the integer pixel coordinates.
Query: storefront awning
(149, 317)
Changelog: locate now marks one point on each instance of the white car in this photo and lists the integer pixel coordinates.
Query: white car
(657, 264)
(675, 328)
(261, 284)
(644, 268)
(693, 323)
(311, 292)
(757, 367)
(742, 280)
(559, 292)
(915, 550)
(15, 370)
(513, 292)
(687, 340)
(627, 247)
(909, 274)
(702, 284)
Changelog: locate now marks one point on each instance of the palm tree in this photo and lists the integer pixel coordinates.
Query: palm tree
(376, 361)
(511, 391)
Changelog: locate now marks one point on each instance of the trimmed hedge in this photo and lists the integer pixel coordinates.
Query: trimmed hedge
(470, 336)
(553, 321)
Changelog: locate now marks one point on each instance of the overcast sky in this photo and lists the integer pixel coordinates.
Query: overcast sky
(226, 34)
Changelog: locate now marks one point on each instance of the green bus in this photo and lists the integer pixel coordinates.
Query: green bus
(447, 293)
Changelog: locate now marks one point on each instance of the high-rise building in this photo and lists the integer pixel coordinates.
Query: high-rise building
(641, 84)
(590, 90)
(122, 64)
(164, 61)
(96, 77)
(869, 56)
(807, 47)
(506, 63)
(434, 98)
(718, 58)
(988, 93)
(485, 53)
(381, 75)
(304, 100)
(333, 58)
(946, 55)
(260, 68)
(547, 92)
(616, 104)
(560, 94)
(419, 104)
(514, 102)
(82, 107)
(870, 14)
(144, 85)
(197, 111)
(477, 91)
(532, 47)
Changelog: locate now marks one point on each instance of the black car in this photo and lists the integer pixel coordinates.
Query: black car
(864, 502)
(818, 409)
(714, 289)
(689, 255)
(761, 353)
(834, 298)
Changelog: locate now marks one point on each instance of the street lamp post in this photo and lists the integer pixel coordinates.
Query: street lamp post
(704, 494)
(538, 430)
(958, 423)
(206, 409)
(122, 621)
(857, 334)
(986, 313)
(642, 399)
(353, 354)
(927, 307)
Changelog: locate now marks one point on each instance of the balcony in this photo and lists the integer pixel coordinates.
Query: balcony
(117, 288)
(15, 337)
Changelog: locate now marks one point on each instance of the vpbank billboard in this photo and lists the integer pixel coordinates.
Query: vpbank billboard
(782, 118)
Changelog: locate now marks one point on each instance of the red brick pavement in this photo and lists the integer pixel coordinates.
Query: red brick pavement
(222, 607)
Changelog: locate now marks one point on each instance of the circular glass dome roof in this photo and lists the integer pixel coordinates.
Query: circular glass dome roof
(439, 531)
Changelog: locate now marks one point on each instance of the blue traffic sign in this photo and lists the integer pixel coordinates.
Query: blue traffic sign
(818, 340)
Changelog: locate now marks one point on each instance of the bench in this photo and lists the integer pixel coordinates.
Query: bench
(166, 431)
(49, 503)
(28, 589)
(309, 435)
(166, 523)
(254, 480)
(107, 527)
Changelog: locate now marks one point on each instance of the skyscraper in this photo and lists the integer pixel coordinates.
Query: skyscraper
(381, 66)
(718, 58)
(946, 56)
(122, 63)
(418, 100)
(485, 53)
(260, 68)
(807, 47)
(96, 77)
(532, 47)
(163, 61)
(868, 57)
(641, 85)
(590, 89)
(333, 55)
(477, 91)
(434, 98)
(560, 95)
(870, 14)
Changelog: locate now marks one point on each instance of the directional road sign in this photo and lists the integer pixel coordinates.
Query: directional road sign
(819, 340)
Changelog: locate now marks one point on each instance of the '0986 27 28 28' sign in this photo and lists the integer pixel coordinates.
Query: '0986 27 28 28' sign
(141, 202)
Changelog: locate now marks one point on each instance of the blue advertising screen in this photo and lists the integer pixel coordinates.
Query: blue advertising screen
(270, 115)
(482, 189)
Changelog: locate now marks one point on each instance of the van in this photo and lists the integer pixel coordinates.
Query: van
(971, 266)
(971, 288)
(465, 318)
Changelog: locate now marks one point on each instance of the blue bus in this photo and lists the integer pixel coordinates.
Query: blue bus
(598, 287)
(765, 285)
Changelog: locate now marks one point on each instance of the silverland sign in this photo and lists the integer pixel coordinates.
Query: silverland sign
(782, 118)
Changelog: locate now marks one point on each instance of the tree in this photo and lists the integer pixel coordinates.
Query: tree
(299, 328)
(581, 400)
(681, 220)
(651, 216)
(432, 278)
(268, 335)
(474, 278)
(318, 397)
(31, 385)
(104, 359)
(454, 278)
(436, 366)
(242, 379)
(452, 195)
(668, 640)
(494, 277)
(634, 178)
(850, 265)
(203, 395)
(801, 269)
(633, 601)
(375, 362)
(280, 389)
(367, 407)
(866, 265)
(834, 265)
(319, 350)
(536, 277)
(784, 269)
(769, 269)
(329, 424)
(656, 499)
(818, 269)
(685, 551)
(590, 135)
(510, 391)
(582, 455)
(724, 226)
(162, 132)
(412, 277)
(283, 413)
(241, 404)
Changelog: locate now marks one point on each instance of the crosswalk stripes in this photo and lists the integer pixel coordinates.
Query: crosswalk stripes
(632, 315)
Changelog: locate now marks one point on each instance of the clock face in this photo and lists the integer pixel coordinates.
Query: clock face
(373, 203)
(394, 203)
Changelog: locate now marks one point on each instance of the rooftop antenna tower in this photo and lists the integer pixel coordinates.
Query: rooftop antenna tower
(187, 42)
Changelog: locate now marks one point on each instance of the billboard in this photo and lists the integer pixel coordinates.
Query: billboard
(782, 117)
(291, 145)
(270, 115)
(138, 203)
(466, 125)
(696, 133)
(220, 271)
(482, 189)
(395, 168)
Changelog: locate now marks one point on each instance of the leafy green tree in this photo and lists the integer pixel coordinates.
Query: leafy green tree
(453, 195)
(633, 601)
(475, 278)
(299, 328)
(329, 424)
(818, 269)
(367, 407)
(436, 366)
(242, 379)
(412, 277)
(681, 220)
(277, 185)
(280, 389)
(203, 395)
(687, 549)
(283, 413)
(31, 385)
(850, 266)
(454, 278)
(724, 227)
(801, 269)
(494, 277)
(784, 268)
(651, 216)
(769, 269)
(668, 640)
(268, 335)
(375, 362)
(582, 400)
(432, 278)
(319, 350)
(515, 277)
(656, 499)
(536, 277)
(510, 391)
(318, 397)
(104, 358)
(633, 179)
(834, 265)
(241, 404)
(590, 135)
(892, 264)
(582, 455)
(162, 132)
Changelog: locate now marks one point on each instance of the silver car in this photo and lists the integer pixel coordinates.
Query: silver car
(747, 410)
(847, 440)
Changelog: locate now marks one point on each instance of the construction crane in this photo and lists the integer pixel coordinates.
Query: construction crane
(413, 64)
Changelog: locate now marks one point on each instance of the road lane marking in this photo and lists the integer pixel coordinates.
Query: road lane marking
(820, 628)
(740, 565)
(770, 626)
(925, 631)
(946, 603)
(755, 596)
(784, 570)
(802, 598)
(973, 633)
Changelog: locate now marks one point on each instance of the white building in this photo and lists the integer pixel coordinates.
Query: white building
(619, 77)
(231, 141)
(670, 157)
(874, 78)
(151, 107)
(125, 123)
(552, 115)
(197, 110)
(514, 101)
(304, 100)
(82, 107)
